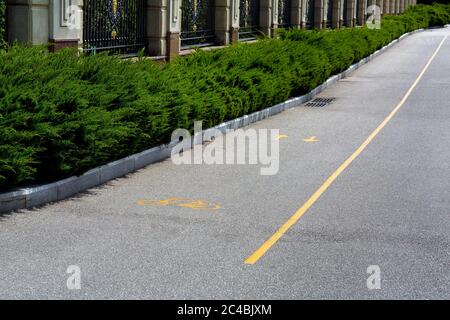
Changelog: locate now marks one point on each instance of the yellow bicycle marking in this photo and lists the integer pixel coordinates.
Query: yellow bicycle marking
(194, 204)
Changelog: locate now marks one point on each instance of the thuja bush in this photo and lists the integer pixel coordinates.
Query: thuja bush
(62, 114)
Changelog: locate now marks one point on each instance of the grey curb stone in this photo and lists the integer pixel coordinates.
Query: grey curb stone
(30, 197)
(116, 169)
(41, 195)
(71, 186)
(13, 200)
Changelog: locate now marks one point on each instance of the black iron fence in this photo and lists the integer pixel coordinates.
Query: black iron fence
(346, 17)
(117, 26)
(284, 13)
(248, 19)
(309, 23)
(329, 13)
(358, 8)
(197, 23)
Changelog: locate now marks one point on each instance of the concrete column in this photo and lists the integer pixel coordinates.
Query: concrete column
(234, 22)
(275, 17)
(392, 6)
(28, 21)
(65, 24)
(157, 17)
(380, 5)
(350, 14)
(266, 17)
(297, 19)
(325, 13)
(401, 6)
(386, 5)
(397, 6)
(222, 21)
(362, 9)
(318, 14)
(336, 17)
(174, 28)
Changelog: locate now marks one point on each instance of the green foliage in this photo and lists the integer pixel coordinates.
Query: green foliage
(62, 114)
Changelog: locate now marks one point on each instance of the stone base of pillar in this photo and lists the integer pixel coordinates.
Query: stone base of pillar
(222, 38)
(156, 46)
(274, 32)
(234, 35)
(318, 15)
(55, 45)
(173, 45)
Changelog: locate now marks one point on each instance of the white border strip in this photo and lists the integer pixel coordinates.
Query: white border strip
(60, 190)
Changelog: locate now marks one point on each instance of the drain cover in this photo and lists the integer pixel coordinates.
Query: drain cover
(319, 102)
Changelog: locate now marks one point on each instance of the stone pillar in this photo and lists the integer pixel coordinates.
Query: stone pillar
(222, 21)
(392, 6)
(386, 5)
(65, 24)
(318, 13)
(324, 13)
(297, 20)
(336, 19)
(401, 6)
(275, 17)
(157, 16)
(397, 6)
(380, 5)
(350, 14)
(28, 21)
(234, 23)
(362, 9)
(174, 29)
(266, 17)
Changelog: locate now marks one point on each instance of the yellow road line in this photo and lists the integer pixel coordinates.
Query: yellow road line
(255, 256)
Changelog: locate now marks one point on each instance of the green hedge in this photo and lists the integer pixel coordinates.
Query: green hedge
(61, 114)
(2, 23)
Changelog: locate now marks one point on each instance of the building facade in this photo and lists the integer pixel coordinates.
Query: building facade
(167, 27)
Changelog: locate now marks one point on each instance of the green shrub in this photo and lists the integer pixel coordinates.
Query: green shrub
(62, 114)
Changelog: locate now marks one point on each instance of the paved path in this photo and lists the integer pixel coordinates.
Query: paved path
(390, 207)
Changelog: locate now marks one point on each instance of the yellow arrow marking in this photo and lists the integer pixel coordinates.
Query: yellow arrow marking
(311, 139)
(281, 136)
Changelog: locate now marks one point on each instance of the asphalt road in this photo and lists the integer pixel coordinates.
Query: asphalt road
(390, 207)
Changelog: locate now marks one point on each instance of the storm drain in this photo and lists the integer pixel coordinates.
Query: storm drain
(319, 102)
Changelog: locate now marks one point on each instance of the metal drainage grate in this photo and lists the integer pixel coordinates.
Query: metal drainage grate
(319, 102)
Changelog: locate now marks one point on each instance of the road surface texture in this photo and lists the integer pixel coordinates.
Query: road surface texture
(389, 208)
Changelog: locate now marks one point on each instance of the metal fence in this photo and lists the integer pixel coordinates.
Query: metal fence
(345, 8)
(117, 26)
(329, 13)
(284, 13)
(197, 23)
(248, 19)
(309, 23)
